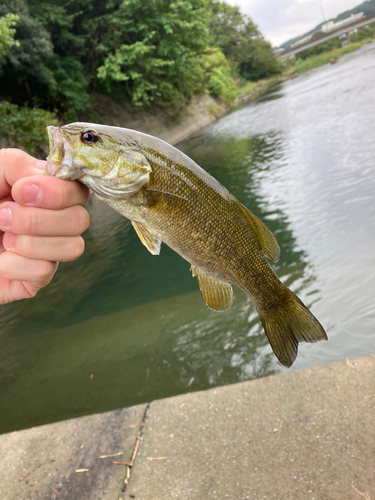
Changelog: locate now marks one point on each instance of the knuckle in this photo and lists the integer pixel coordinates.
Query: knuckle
(86, 219)
(24, 245)
(79, 247)
(80, 219)
(46, 270)
(12, 153)
(76, 248)
(32, 221)
(65, 195)
(31, 290)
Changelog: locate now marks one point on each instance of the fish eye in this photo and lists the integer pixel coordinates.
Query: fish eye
(89, 136)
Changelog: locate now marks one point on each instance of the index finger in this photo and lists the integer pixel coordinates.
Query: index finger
(15, 164)
(46, 191)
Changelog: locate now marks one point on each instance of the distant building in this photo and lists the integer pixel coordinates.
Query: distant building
(330, 26)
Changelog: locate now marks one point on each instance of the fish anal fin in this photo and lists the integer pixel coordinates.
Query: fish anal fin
(151, 239)
(267, 241)
(217, 294)
(288, 327)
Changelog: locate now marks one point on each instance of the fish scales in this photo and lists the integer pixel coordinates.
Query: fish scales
(171, 199)
(221, 240)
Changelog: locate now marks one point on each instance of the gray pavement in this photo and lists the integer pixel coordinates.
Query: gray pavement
(62, 460)
(308, 435)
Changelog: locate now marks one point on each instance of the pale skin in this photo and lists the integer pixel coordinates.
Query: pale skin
(41, 220)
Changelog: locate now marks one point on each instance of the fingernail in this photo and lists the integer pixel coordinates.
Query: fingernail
(8, 239)
(31, 193)
(40, 164)
(5, 217)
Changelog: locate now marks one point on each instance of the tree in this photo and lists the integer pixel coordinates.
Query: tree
(33, 46)
(7, 33)
(334, 43)
(242, 43)
(141, 51)
(151, 47)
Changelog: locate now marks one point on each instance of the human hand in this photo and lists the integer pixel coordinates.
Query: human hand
(41, 219)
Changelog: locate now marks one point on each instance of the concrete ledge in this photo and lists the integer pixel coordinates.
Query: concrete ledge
(42, 462)
(309, 435)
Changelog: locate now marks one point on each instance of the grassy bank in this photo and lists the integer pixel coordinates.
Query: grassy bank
(298, 66)
(248, 91)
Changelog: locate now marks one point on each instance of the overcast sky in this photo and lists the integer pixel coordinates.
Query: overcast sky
(280, 20)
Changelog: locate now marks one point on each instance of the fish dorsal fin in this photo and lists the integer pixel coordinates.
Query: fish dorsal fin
(217, 294)
(151, 239)
(267, 241)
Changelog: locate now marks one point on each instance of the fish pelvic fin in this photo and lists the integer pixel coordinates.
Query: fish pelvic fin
(267, 242)
(151, 239)
(217, 294)
(287, 327)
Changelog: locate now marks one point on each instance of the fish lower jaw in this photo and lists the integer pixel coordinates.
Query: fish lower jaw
(62, 171)
(108, 188)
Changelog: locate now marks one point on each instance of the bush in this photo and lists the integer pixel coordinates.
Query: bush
(220, 83)
(25, 127)
(334, 43)
(363, 33)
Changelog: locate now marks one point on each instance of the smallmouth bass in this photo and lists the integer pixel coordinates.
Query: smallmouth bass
(169, 198)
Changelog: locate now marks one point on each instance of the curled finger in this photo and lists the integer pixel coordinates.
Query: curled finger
(51, 248)
(15, 267)
(71, 221)
(49, 192)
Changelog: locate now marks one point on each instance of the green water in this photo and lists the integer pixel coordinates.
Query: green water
(302, 159)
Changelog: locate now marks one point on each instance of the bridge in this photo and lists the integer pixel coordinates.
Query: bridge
(342, 32)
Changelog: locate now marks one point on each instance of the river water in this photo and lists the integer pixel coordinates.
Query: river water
(119, 327)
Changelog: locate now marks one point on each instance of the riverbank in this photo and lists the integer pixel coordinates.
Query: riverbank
(205, 109)
(307, 434)
(166, 125)
(299, 66)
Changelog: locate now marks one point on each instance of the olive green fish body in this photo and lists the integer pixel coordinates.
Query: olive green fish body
(169, 198)
(221, 242)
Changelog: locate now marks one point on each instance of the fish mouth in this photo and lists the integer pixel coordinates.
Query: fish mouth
(59, 161)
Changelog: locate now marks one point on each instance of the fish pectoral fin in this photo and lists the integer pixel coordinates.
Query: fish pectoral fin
(151, 239)
(267, 241)
(217, 294)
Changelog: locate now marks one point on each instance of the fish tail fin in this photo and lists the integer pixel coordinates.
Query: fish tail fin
(286, 327)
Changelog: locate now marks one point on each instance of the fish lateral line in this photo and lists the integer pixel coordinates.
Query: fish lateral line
(165, 192)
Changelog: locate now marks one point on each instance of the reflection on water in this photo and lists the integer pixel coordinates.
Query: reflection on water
(301, 159)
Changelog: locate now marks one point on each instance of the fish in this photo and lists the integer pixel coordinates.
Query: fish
(169, 198)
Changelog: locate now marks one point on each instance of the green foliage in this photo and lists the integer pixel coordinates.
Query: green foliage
(24, 127)
(151, 47)
(67, 86)
(363, 33)
(220, 82)
(334, 43)
(229, 29)
(239, 39)
(297, 65)
(154, 52)
(257, 60)
(316, 34)
(7, 33)
(27, 58)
